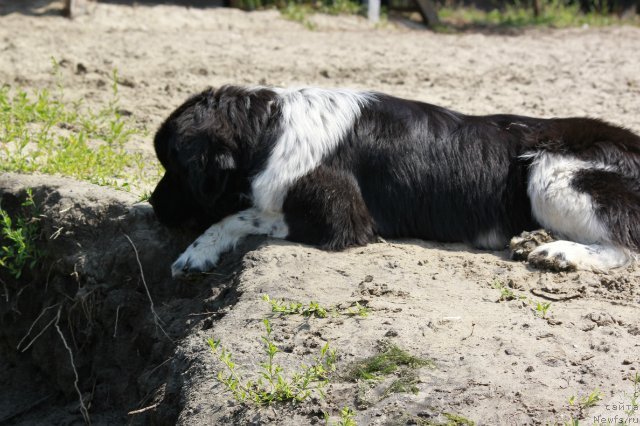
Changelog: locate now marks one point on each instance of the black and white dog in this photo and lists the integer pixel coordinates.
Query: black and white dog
(336, 168)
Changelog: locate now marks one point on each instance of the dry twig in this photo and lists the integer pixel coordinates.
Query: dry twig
(83, 408)
(156, 318)
(33, 325)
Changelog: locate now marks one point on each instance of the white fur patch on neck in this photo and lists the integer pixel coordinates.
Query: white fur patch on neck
(314, 121)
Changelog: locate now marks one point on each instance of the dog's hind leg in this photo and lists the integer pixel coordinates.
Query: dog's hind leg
(326, 208)
(591, 205)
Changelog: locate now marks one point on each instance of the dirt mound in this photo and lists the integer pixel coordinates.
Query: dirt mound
(89, 284)
(505, 344)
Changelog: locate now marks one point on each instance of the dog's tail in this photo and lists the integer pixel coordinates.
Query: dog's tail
(584, 182)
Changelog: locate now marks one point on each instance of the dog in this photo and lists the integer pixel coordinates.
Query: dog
(337, 168)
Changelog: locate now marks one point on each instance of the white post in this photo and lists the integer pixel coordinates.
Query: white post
(373, 10)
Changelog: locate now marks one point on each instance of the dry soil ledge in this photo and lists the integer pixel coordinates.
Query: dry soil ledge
(495, 362)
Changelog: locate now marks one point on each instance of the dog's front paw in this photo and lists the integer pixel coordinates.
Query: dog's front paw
(194, 260)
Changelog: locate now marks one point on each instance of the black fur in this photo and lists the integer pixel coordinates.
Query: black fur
(209, 147)
(431, 173)
(326, 208)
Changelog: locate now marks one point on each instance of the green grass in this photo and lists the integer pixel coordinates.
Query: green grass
(313, 309)
(299, 13)
(42, 132)
(391, 360)
(296, 308)
(582, 404)
(341, 7)
(275, 385)
(587, 401)
(553, 13)
(407, 382)
(457, 420)
(19, 236)
(542, 308)
(387, 362)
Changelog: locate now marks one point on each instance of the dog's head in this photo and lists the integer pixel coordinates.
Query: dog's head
(205, 147)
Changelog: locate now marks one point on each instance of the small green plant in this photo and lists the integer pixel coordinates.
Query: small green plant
(19, 236)
(583, 403)
(386, 362)
(592, 399)
(295, 308)
(633, 398)
(506, 294)
(273, 385)
(357, 310)
(313, 309)
(347, 418)
(542, 308)
(144, 197)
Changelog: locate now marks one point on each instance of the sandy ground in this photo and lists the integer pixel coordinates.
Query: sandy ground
(496, 362)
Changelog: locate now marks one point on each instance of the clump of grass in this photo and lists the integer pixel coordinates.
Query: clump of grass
(313, 309)
(19, 236)
(41, 132)
(391, 359)
(292, 308)
(457, 420)
(405, 383)
(274, 385)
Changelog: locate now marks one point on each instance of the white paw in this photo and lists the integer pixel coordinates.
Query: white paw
(557, 256)
(197, 259)
(569, 256)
